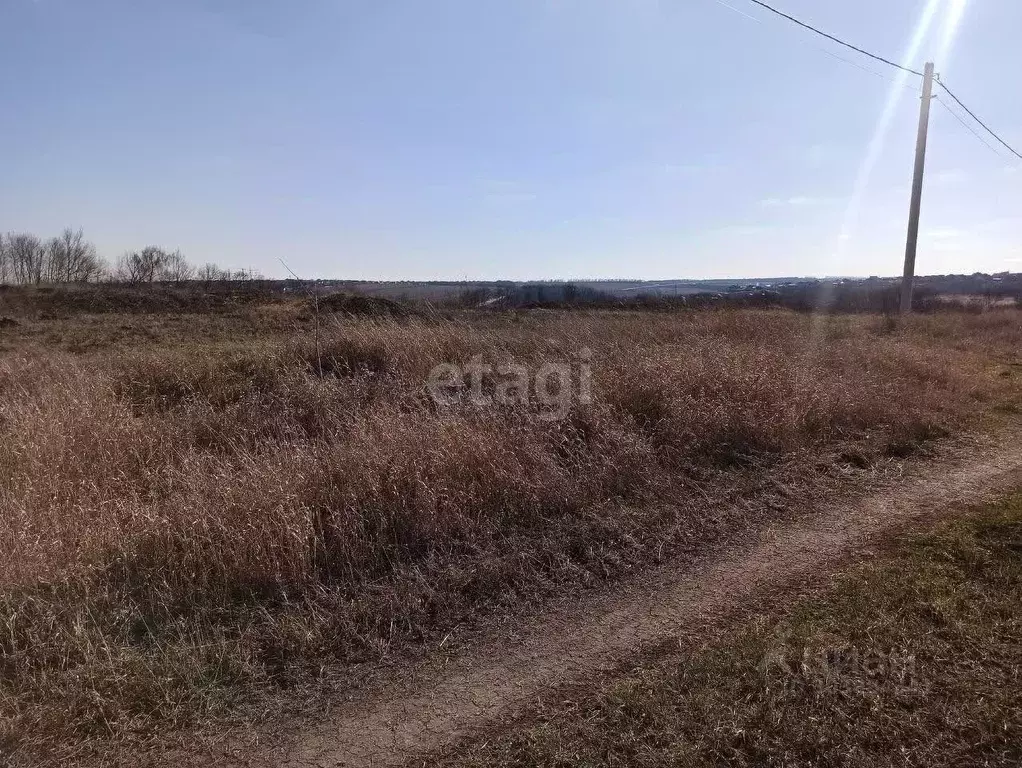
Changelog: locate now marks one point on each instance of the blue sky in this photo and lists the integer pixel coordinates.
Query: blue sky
(415, 139)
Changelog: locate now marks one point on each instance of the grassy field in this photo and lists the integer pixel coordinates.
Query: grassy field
(207, 514)
(912, 660)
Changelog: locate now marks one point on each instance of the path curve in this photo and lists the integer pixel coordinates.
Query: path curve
(438, 704)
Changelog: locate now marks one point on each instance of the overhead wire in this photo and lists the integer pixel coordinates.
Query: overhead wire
(967, 127)
(820, 48)
(972, 114)
(766, 6)
(834, 39)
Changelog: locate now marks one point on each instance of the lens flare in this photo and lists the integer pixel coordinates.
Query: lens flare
(898, 90)
(882, 130)
(955, 12)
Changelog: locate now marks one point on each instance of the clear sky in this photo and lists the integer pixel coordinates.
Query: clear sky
(419, 139)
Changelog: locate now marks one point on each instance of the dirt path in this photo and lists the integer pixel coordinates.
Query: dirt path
(449, 699)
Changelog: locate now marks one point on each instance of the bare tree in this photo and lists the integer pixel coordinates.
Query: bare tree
(141, 266)
(242, 275)
(128, 268)
(211, 273)
(56, 261)
(4, 261)
(175, 268)
(27, 258)
(72, 259)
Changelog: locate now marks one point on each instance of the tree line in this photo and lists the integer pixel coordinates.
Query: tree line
(26, 259)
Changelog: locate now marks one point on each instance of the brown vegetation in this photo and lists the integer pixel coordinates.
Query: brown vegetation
(354, 304)
(199, 511)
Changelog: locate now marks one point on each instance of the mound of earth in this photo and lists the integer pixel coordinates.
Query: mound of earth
(363, 306)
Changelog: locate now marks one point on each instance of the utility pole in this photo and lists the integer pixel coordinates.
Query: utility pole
(917, 192)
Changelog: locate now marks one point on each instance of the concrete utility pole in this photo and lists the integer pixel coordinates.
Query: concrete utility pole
(917, 192)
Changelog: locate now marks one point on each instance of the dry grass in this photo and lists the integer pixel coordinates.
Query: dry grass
(913, 660)
(201, 512)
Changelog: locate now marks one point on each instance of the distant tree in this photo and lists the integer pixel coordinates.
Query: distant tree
(175, 268)
(129, 268)
(70, 258)
(210, 273)
(27, 257)
(244, 275)
(56, 261)
(4, 262)
(142, 266)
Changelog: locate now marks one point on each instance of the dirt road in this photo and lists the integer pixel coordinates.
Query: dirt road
(445, 700)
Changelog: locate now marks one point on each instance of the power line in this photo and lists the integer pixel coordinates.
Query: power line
(890, 63)
(837, 40)
(973, 116)
(820, 48)
(867, 70)
(740, 13)
(968, 127)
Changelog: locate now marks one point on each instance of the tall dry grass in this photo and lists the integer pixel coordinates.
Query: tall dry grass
(191, 524)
